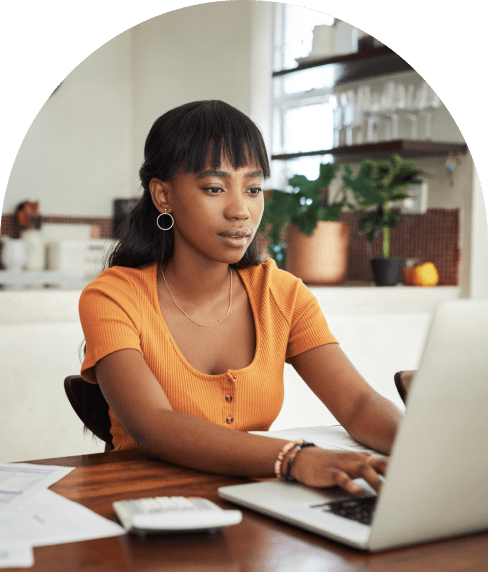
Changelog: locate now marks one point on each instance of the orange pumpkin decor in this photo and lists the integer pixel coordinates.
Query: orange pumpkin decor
(421, 275)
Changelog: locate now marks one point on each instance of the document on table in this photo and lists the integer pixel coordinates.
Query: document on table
(31, 515)
(333, 437)
(21, 481)
(50, 518)
(16, 556)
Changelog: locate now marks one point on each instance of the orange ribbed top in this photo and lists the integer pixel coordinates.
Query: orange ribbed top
(120, 310)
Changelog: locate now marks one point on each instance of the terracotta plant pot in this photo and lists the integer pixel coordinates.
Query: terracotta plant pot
(320, 258)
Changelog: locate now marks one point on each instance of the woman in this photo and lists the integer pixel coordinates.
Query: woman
(188, 330)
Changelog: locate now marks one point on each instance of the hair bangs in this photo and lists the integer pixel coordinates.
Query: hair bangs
(214, 130)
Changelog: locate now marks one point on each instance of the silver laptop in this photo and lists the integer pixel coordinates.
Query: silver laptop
(437, 481)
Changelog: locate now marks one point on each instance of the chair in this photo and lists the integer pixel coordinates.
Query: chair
(89, 404)
(403, 380)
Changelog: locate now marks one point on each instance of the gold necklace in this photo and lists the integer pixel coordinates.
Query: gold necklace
(179, 307)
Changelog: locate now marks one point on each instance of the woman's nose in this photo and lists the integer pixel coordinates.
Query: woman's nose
(236, 208)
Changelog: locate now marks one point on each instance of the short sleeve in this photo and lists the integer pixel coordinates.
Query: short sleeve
(110, 317)
(309, 328)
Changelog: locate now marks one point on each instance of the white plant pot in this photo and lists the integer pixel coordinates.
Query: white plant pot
(35, 250)
(13, 253)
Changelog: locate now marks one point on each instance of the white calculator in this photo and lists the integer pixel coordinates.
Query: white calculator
(173, 514)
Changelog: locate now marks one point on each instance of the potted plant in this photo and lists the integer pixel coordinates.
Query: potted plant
(376, 186)
(315, 247)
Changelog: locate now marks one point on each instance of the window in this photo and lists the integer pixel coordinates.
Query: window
(302, 110)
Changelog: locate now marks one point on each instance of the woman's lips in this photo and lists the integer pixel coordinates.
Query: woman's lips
(236, 237)
(236, 241)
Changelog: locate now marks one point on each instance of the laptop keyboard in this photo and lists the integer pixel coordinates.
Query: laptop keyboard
(361, 510)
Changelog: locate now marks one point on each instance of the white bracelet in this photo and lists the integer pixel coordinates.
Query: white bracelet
(281, 455)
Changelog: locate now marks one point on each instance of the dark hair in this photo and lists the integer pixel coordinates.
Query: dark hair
(183, 137)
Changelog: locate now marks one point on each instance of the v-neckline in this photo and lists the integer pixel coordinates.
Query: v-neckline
(188, 365)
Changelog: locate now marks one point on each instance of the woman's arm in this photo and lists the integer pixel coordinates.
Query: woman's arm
(368, 417)
(142, 407)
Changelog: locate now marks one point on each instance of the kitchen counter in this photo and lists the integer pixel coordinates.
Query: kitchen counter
(352, 299)
(38, 306)
(58, 305)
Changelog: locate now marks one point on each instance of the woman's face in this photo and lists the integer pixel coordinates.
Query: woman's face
(216, 211)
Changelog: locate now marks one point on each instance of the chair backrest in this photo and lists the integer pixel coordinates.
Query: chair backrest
(402, 382)
(89, 404)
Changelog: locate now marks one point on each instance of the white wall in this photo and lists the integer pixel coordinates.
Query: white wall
(85, 146)
(261, 53)
(77, 154)
(479, 244)
(196, 53)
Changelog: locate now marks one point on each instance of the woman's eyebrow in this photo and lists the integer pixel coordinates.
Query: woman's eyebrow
(212, 173)
(253, 174)
(225, 175)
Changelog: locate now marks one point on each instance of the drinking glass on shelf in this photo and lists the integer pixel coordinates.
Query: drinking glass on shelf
(412, 112)
(399, 104)
(433, 103)
(358, 127)
(387, 109)
(421, 104)
(337, 122)
(363, 105)
(369, 104)
(393, 102)
(348, 101)
(374, 119)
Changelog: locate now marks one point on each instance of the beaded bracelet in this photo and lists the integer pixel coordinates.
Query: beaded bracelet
(291, 460)
(281, 456)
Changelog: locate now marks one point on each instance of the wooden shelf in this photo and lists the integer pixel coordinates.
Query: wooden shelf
(358, 65)
(407, 148)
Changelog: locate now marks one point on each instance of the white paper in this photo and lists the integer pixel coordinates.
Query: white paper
(51, 519)
(333, 437)
(19, 482)
(18, 556)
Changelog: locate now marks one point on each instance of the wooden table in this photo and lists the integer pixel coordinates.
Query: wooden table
(257, 544)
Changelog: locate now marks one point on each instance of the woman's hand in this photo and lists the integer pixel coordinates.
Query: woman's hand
(318, 467)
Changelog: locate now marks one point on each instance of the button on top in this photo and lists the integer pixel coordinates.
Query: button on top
(232, 378)
(229, 420)
(228, 398)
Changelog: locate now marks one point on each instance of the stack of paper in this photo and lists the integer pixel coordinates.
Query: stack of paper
(333, 437)
(31, 515)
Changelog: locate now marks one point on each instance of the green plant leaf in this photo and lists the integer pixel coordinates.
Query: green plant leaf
(332, 212)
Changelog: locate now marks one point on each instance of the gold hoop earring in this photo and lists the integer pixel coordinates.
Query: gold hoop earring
(167, 214)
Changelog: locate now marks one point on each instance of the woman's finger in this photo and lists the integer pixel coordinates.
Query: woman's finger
(368, 467)
(343, 480)
(379, 464)
(369, 474)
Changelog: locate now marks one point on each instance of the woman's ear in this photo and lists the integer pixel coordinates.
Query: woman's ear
(159, 195)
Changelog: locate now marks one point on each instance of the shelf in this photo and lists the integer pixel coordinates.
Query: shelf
(356, 66)
(407, 148)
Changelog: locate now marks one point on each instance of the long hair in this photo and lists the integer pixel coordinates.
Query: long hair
(182, 137)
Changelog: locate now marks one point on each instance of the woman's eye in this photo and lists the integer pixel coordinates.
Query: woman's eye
(213, 190)
(255, 190)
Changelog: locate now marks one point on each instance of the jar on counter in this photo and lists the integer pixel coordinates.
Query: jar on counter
(13, 253)
(34, 250)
